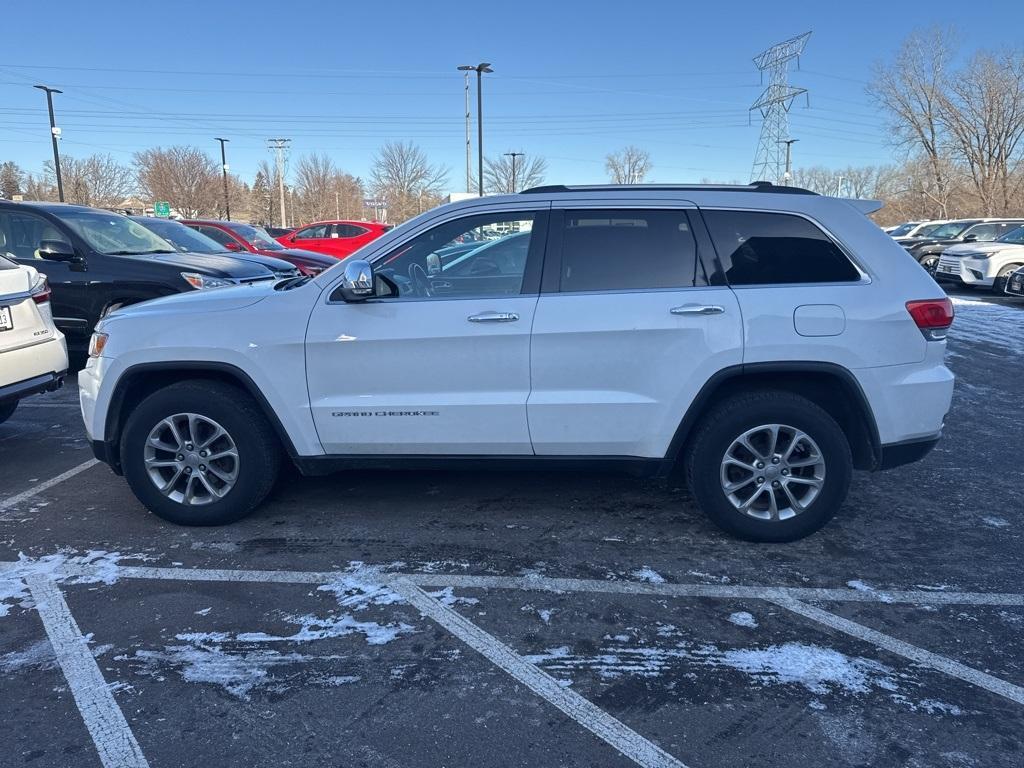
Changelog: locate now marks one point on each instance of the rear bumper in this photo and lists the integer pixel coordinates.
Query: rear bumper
(48, 382)
(898, 454)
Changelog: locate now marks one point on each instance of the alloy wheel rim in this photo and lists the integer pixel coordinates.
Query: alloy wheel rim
(191, 459)
(772, 472)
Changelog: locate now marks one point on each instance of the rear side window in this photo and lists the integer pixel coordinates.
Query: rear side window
(222, 237)
(773, 248)
(348, 230)
(625, 250)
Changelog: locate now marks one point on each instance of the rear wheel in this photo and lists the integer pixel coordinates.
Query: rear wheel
(199, 453)
(930, 263)
(769, 466)
(7, 410)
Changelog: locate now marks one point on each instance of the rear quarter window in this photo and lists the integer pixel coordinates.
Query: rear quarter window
(776, 248)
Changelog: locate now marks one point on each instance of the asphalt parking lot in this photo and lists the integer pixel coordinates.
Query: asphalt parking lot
(485, 619)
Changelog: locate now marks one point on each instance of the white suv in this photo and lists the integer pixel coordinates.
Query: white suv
(33, 355)
(984, 265)
(765, 340)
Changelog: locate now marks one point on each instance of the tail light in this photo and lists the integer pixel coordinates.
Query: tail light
(932, 316)
(41, 292)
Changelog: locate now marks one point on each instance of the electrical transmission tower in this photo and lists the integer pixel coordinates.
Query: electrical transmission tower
(280, 146)
(774, 104)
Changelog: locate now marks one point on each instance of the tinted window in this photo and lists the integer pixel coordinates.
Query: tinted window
(309, 233)
(626, 250)
(21, 233)
(474, 256)
(983, 232)
(348, 230)
(767, 248)
(217, 235)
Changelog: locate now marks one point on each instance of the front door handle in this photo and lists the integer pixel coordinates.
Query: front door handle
(494, 317)
(698, 309)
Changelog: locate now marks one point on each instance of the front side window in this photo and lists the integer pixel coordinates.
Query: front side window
(310, 233)
(471, 257)
(776, 248)
(21, 233)
(217, 235)
(625, 250)
(983, 232)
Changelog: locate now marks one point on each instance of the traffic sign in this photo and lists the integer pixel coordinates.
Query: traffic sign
(162, 208)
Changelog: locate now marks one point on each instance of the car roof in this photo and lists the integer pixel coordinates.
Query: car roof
(50, 207)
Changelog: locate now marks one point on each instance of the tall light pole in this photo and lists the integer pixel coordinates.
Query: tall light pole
(469, 173)
(279, 146)
(224, 171)
(789, 157)
(54, 133)
(480, 69)
(514, 155)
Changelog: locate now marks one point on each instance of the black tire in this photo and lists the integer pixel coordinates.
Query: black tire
(7, 410)
(999, 284)
(930, 262)
(730, 419)
(259, 452)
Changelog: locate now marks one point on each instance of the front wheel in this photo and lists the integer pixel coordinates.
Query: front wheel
(769, 466)
(999, 284)
(7, 410)
(199, 453)
(930, 263)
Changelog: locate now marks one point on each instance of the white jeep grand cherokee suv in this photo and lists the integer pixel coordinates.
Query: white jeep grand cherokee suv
(765, 340)
(33, 355)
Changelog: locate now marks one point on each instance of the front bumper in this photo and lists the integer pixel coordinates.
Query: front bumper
(965, 270)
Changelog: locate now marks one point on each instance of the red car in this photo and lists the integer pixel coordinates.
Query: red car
(236, 236)
(335, 238)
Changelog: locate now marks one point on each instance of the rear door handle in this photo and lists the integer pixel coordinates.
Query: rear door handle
(494, 317)
(698, 309)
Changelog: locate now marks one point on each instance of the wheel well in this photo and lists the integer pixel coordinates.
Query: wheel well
(830, 387)
(135, 386)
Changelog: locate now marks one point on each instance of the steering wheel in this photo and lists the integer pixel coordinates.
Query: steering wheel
(419, 278)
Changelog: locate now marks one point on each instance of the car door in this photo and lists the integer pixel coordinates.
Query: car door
(440, 366)
(316, 237)
(627, 330)
(71, 299)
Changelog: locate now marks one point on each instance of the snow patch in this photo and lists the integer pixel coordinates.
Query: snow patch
(993, 324)
(103, 565)
(37, 656)
(743, 619)
(995, 522)
(649, 575)
(447, 597)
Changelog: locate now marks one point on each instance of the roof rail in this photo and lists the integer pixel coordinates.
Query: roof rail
(754, 186)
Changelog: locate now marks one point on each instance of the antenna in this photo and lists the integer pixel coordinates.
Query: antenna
(774, 104)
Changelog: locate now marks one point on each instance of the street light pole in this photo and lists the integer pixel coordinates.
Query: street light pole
(54, 132)
(469, 161)
(514, 155)
(789, 146)
(480, 69)
(224, 170)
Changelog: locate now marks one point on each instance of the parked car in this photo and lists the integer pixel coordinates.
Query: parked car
(984, 265)
(928, 249)
(733, 334)
(906, 229)
(1015, 283)
(188, 240)
(33, 355)
(335, 238)
(97, 261)
(239, 237)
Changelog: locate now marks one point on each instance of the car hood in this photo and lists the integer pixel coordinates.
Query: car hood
(307, 257)
(274, 265)
(962, 249)
(208, 300)
(917, 242)
(210, 264)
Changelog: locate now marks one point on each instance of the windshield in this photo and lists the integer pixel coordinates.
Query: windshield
(950, 230)
(927, 230)
(257, 237)
(902, 229)
(181, 237)
(113, 234)
(1013, 236)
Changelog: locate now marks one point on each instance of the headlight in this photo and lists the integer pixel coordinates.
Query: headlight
(199, 281)
(97, 343)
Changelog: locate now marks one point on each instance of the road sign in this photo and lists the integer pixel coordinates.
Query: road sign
(162, 208)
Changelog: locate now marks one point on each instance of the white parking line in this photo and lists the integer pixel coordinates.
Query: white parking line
(35, 490)
(545, 584)
(906, 650)
(627, 741)
(110, 732)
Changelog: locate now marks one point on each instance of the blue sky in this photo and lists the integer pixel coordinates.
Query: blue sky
(573, 80)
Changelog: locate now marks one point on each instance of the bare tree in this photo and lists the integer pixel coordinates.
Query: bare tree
(406, 179)
(628, 166)
(912, 90)
(186, 177)
(498, 176)
(12, 178)
(983, 114)
(97, 180)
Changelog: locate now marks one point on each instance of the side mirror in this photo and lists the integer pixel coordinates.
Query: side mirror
(57, 250)
(970, 238)
(231, 245)
(357, 281)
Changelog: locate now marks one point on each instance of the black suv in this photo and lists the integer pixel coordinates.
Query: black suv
(928, 249)
(97, 261)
